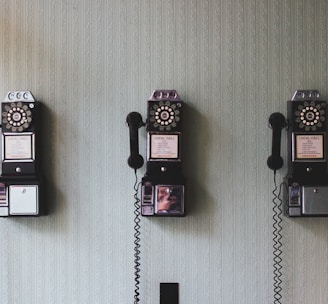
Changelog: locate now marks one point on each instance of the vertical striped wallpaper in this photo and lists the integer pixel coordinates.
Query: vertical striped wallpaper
(91, 63)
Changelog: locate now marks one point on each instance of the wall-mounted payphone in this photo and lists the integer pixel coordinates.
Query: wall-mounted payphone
(307, 178)
(163, 186)
(20, 181)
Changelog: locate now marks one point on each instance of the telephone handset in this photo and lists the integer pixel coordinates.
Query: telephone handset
(163, 186)
(20, 182)
(307, 178)
(277, 121)
(134, 121)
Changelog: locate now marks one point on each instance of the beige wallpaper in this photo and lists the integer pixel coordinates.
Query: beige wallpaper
(93, 62)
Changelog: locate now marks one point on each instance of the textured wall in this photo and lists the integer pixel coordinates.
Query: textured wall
(91, 63)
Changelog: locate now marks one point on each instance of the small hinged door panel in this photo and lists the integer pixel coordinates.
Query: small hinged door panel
(24, 200)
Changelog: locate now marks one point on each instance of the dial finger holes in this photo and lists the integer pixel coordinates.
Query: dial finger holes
(16, 117)
(164, 115)
(308, 116)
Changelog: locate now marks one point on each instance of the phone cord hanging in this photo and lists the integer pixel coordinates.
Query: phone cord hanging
(136, 241)
(277, 244)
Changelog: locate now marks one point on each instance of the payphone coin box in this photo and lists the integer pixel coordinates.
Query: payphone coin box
(20, 181)
(24, 200)
(162, 200)
(21, 198)
(308, 201)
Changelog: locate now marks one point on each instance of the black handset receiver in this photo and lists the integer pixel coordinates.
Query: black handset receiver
(134, 122)
(277, 122)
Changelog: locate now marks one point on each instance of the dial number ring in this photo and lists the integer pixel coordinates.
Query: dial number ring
(17, 117)
(310, 116)
(164, 115)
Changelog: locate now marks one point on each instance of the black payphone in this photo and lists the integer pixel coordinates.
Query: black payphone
(307, 178)
(20, 180)
(163, 186)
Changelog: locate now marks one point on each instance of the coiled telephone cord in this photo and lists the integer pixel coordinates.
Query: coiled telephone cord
(277, 244)
(136, 241)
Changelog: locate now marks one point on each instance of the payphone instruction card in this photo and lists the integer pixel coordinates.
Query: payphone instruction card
(309, 147)
(164, 146)
(18, 147)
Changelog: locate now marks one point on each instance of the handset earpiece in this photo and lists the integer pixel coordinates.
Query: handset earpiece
(134, 121)
(277, 122)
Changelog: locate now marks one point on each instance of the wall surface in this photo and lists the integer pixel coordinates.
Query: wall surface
(91, 63)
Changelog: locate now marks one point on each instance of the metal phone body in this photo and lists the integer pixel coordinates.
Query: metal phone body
(307, 179)
(163, 186)
(20, 181)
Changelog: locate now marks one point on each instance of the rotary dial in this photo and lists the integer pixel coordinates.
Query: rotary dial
(310, 116)
(164, 115)
(17, 117)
